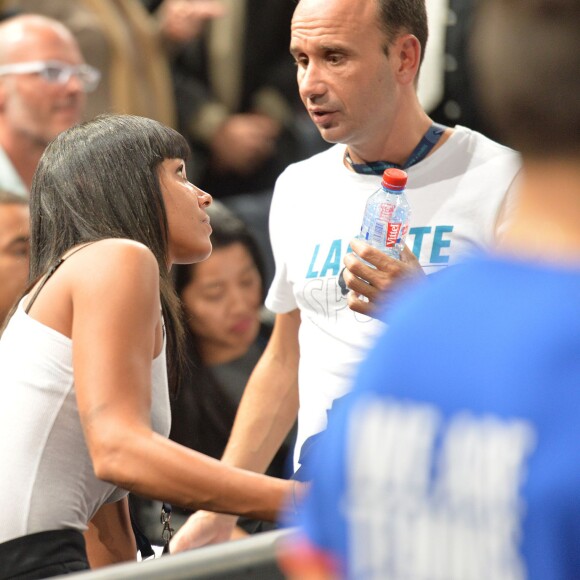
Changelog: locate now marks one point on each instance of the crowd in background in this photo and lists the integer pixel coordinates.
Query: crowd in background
(220, 73)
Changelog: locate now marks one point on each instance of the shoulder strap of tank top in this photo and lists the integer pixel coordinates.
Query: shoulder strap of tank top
(52, 270)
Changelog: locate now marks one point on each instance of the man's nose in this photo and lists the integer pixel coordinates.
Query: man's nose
(310, 83)
(74, 84)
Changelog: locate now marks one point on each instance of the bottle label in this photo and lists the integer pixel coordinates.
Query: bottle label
(393, 234)
(386, 211)
(378, 234)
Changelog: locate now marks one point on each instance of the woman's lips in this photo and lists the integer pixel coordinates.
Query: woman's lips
(242, 326)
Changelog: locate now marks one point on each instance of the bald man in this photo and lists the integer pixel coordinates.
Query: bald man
(43, 86)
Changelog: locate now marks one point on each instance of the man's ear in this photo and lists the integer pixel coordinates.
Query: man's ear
(407, 49)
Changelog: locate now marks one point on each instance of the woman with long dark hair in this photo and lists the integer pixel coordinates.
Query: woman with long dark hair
(84, 402)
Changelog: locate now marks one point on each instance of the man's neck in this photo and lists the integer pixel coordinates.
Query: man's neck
(23, 153)
(545, 222)
(398, 144)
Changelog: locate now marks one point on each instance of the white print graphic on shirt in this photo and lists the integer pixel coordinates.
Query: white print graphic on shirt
(323, 293)
(328, 262)
(433, 501)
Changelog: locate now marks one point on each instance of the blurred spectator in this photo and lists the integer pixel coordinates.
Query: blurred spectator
(14, 245)
(126, 44)
(7, 12)
(446, 83)
(223, 300)
(180, 21)
(43, 85)
(238, 105)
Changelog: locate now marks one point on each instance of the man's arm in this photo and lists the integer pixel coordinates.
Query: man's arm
(269, 405)
(267, 411)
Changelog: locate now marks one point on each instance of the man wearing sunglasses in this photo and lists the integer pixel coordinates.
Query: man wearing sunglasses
(43, 86)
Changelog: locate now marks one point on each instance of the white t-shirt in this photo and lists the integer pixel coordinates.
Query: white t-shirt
(10, 180)
(457, 197)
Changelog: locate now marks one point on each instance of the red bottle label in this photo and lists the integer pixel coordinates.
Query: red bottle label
(393, 230)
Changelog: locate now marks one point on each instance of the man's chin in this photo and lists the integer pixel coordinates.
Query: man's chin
(331, 135)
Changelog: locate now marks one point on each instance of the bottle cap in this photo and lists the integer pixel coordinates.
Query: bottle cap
(394, 179)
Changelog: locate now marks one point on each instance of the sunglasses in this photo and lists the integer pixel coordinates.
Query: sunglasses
(56, 72)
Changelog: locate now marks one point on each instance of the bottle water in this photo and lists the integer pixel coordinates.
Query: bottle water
(387, 214)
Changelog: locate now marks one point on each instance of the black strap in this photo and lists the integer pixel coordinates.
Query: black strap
(52, 270)
(142, 541)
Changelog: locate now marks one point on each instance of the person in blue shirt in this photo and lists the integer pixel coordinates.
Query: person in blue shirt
(464, 463)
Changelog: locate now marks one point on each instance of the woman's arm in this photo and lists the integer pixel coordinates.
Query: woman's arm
(110, 539)
(116, 332)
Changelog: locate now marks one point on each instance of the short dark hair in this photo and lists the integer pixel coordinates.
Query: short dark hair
(409, 16)
(100, 180)
(526, 55)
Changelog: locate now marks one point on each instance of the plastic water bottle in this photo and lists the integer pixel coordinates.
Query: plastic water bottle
(387, 214)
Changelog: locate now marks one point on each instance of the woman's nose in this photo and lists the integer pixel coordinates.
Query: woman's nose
(204, 199)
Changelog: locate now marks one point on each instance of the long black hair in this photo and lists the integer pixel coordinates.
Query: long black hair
(99, 180)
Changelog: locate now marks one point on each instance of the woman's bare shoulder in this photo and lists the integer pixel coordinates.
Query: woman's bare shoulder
(114, 252)
(115, 246)
(116, 263)
(107, 279)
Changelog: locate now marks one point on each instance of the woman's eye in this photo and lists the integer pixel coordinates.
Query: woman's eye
(181, 171)
(213, 297)
(248, 282)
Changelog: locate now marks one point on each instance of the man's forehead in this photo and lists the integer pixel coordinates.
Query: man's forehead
(13, 213)
(333, 17)
(335, 10)
(34, 42)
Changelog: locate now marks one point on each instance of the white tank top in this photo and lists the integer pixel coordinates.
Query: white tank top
(46, 474)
